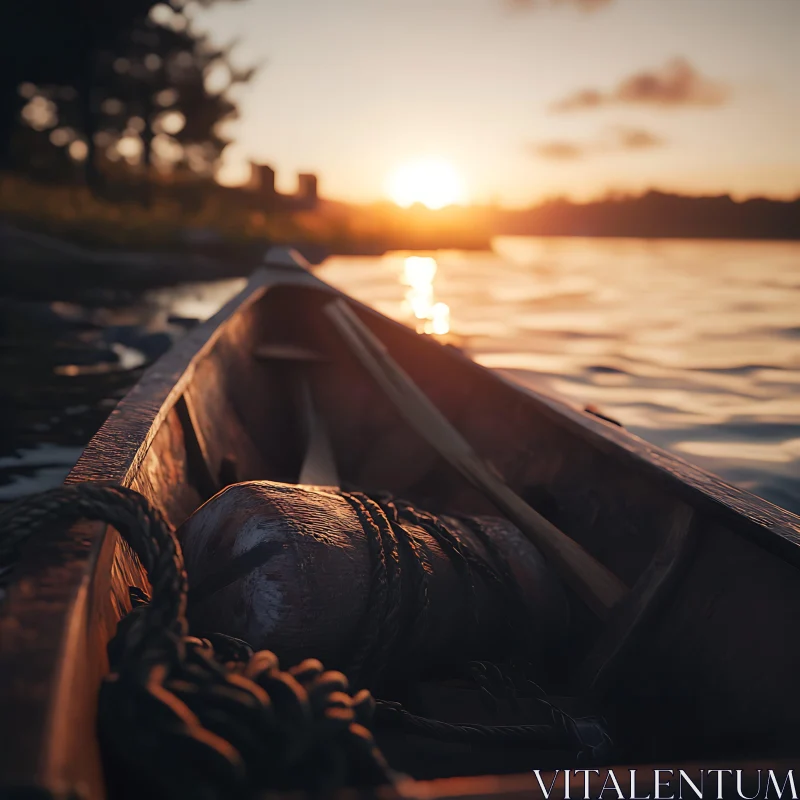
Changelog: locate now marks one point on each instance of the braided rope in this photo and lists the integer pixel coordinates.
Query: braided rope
(366, 657)
(182, 716)
(139, 523)
(396, 617)
(393, 715)
(587, 735)
(188, 717)
(461, 555)
(421, 569)
(502, 579)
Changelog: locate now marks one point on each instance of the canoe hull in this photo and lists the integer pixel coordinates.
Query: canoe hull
(710, 673)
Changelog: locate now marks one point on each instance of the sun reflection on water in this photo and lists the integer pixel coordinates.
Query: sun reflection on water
(418, 275)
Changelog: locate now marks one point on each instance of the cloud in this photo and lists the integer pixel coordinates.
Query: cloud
(677, 83)
(559, 150)
(612, 140)
(636, 139)
(531, 5)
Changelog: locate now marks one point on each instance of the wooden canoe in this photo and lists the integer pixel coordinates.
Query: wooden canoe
(699, 663)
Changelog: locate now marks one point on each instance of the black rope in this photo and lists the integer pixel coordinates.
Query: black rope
(501, 577)
(396, 616)
(585, 736)
(188, 717)
(463, 558)
(394, 715)
(417, 555)
(379, 627)
(142, 526)
(206, 717)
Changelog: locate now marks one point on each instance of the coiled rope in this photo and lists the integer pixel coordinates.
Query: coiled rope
(206, 717)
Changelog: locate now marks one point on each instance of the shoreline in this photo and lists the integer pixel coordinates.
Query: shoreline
(37, 266)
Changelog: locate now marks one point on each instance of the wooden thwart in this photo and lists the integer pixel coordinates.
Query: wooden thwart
(286, 352)
(594, 583)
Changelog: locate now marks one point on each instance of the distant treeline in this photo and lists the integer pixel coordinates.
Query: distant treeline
(215, 220)
(384, 226)
(656, 214)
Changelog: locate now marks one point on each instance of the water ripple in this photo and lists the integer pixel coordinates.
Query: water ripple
(690, 344)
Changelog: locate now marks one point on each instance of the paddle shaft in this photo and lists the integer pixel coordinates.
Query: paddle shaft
(600, 589)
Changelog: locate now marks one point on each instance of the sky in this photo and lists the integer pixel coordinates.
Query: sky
(526, 99)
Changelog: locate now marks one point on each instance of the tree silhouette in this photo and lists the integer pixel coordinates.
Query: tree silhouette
(127, 82)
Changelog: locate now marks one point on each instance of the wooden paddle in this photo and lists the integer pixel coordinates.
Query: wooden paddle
(600, 589)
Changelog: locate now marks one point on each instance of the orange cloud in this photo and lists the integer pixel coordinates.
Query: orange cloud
(613, 140)
(677, 83)
(559, 150)
(636, 139)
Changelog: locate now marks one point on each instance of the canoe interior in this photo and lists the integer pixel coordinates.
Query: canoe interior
(713, 674)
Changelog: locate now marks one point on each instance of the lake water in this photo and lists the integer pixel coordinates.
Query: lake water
(692, 345)
(66, 364)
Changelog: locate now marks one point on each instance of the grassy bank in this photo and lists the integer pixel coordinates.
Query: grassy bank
(199, 217)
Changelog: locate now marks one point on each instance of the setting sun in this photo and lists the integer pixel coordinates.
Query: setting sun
(432, 182)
